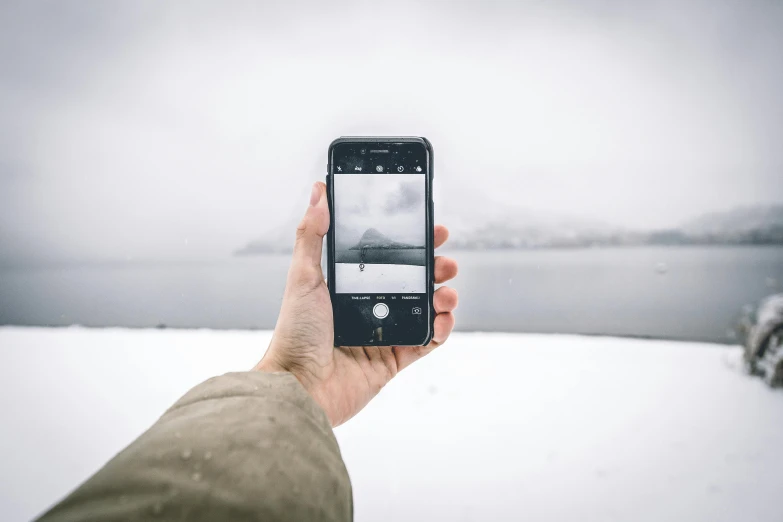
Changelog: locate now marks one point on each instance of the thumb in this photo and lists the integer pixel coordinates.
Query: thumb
(312, 228)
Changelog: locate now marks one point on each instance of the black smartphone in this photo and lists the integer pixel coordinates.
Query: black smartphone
(380, 251)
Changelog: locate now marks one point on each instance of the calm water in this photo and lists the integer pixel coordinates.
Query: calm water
(690, 293)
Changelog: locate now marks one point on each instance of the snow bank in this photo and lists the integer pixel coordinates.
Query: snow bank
(490, 427)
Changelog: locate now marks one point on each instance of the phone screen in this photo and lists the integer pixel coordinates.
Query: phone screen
(380, 241)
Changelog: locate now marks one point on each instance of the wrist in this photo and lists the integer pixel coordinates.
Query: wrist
(268, 365)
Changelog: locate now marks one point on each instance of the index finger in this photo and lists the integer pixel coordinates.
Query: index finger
(441, 235)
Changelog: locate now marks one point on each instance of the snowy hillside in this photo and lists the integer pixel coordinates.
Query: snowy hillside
(738, 220)
(490, 427)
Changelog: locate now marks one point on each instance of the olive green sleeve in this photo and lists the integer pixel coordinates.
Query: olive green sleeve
(243, 446)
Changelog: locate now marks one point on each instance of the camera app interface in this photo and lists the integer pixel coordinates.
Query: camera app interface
(380, 237)
(380, 240)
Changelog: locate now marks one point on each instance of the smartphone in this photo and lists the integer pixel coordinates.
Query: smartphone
(380, 251)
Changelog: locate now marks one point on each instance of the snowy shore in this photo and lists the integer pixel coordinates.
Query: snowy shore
(490, 427)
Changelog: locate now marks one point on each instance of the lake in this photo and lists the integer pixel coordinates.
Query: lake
(689, 293)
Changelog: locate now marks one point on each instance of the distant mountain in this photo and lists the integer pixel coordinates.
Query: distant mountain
(759, 225)
(736, 221)
(275, 242)
(741, 226)
(261, 247)
(513, 229)
(374, 239)
(507, 234)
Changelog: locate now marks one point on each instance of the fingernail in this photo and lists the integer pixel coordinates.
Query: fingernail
(315, 197)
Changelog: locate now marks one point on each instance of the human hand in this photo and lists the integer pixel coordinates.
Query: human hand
(341, 380)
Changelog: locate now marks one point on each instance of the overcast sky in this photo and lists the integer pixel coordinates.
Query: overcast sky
(393, 204)
(184, 130)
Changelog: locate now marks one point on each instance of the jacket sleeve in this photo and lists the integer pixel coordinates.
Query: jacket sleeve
(243, 446)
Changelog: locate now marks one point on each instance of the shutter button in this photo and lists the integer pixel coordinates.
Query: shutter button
(380, 310)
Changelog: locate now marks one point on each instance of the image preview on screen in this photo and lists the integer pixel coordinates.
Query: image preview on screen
(380, 233)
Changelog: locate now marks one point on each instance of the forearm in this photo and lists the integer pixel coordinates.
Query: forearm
(243, 446)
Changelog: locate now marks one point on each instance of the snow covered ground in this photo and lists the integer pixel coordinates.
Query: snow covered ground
(380, 278)
(490, 427)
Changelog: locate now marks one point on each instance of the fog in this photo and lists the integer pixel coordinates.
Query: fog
(143, 130)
